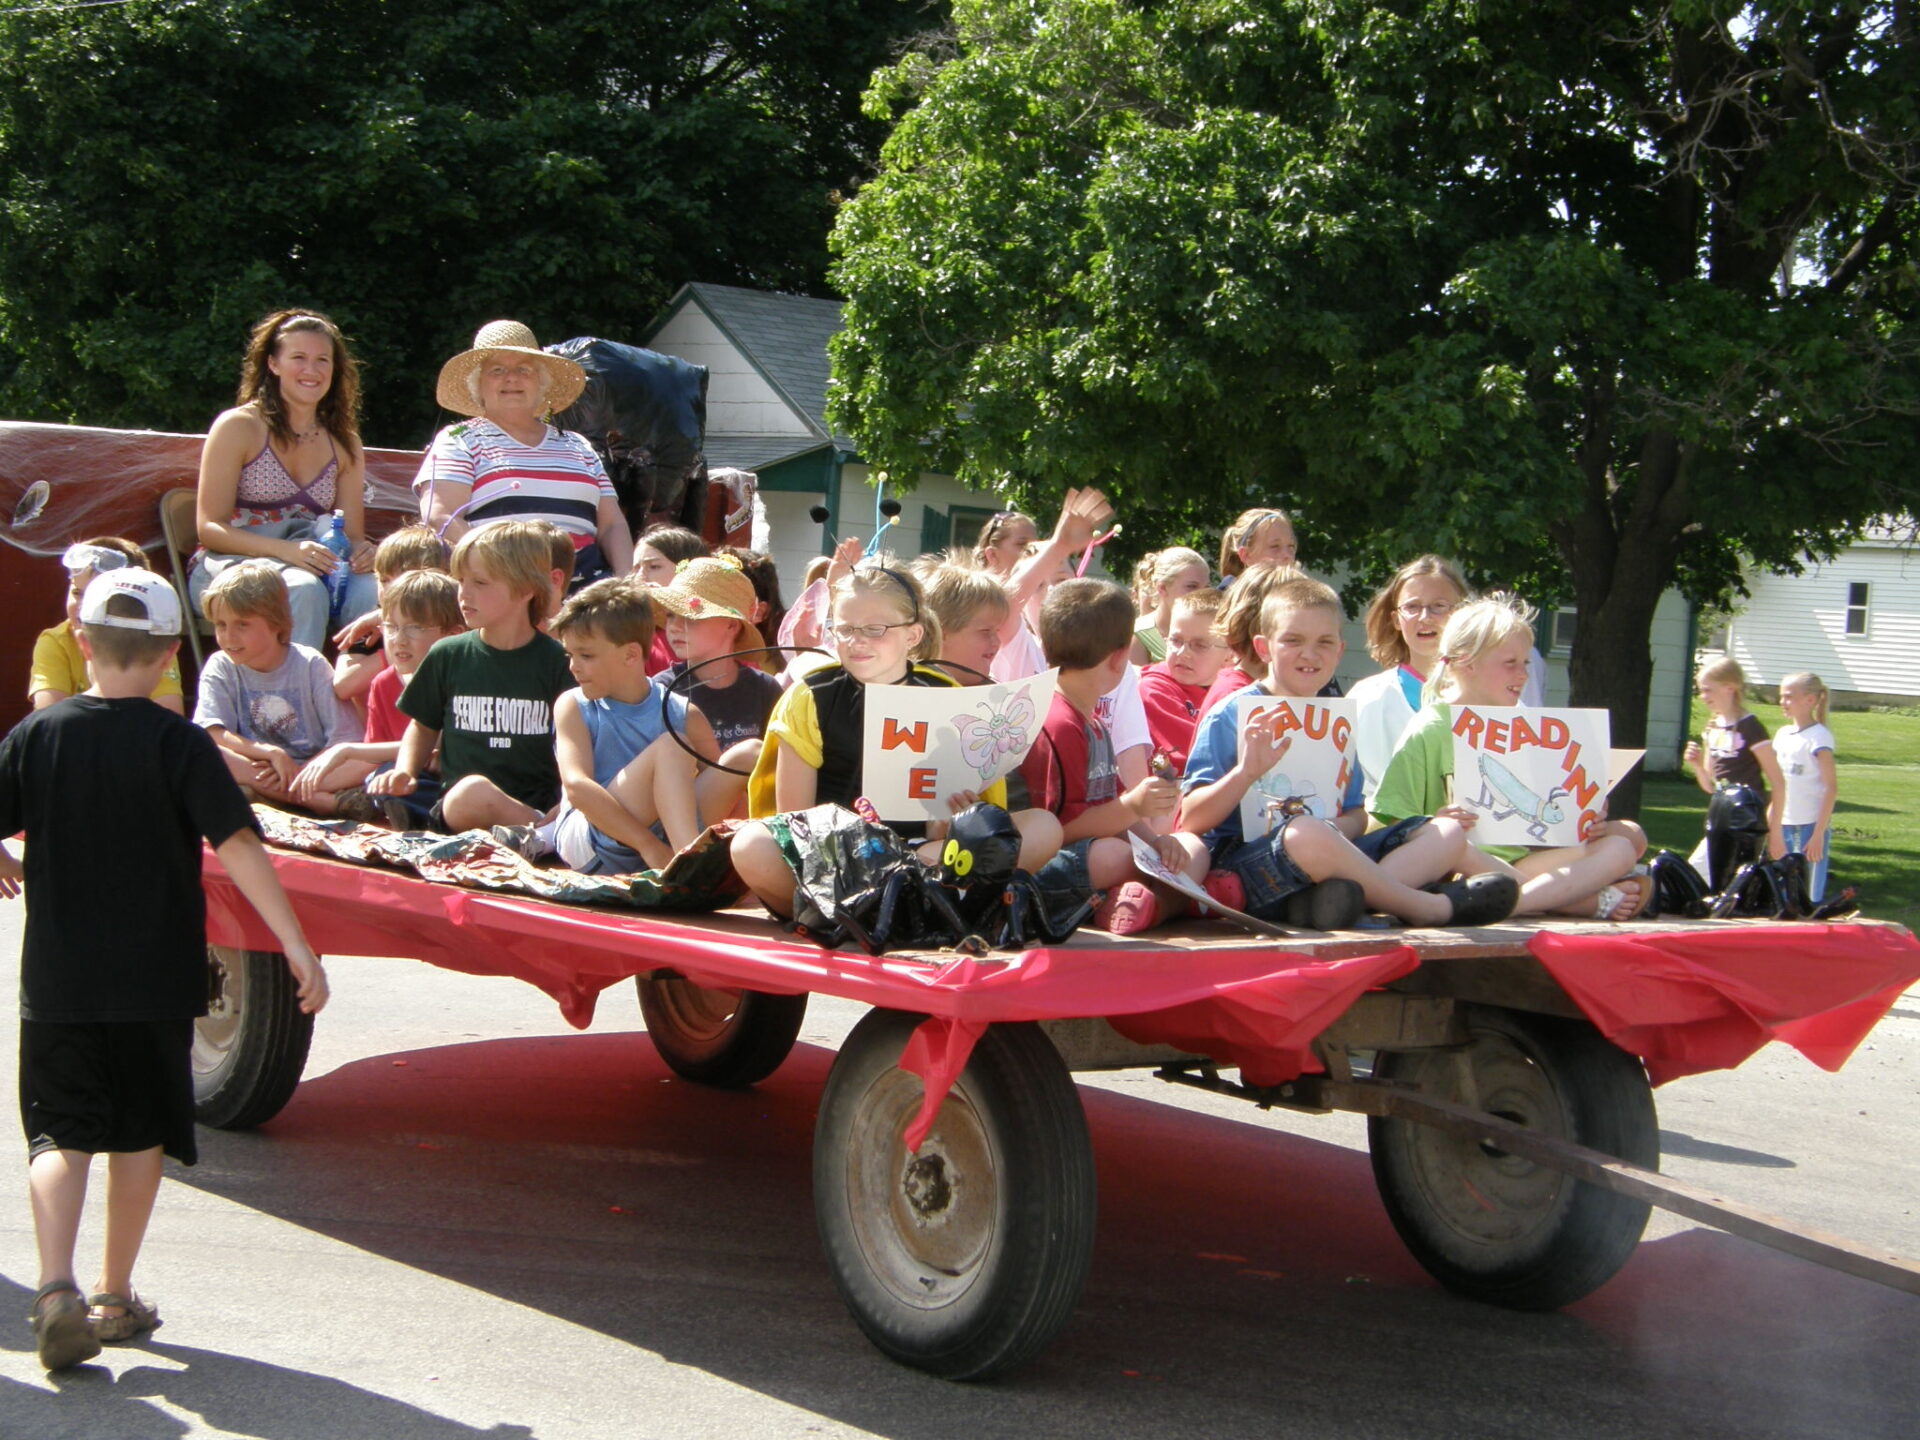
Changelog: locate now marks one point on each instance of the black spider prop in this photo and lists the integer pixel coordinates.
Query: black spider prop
(862, 882)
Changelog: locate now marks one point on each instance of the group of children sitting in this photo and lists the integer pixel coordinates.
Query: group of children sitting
(488, 703)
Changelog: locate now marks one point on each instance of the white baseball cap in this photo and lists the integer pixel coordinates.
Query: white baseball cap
(157, 597)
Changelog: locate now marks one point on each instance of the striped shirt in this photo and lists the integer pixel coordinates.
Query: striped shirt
(561, 479)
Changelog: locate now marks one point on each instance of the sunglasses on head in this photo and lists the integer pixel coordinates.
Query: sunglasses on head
(92, 557)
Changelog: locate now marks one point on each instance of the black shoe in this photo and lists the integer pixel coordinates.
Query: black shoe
(1480, 899)
(1326, 905)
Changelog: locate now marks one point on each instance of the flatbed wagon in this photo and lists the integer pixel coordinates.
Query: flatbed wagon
(1507, 1072)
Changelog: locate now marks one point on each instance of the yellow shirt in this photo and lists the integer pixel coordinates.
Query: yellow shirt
(59, 665)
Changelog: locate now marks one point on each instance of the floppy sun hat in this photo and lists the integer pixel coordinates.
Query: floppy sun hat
(565, 379)
(710, 587)
(156, 595)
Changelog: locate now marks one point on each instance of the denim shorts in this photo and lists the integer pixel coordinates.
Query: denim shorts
(1376, 845)
(1267, 871)
(1066, 877)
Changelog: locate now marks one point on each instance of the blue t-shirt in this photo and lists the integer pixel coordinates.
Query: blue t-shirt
(1216, 749)
(621, 729)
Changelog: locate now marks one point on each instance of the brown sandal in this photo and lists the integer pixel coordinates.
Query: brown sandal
(140, 1317)
(60, 1323)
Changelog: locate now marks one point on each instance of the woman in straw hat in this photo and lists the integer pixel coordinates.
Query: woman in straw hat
(508, 463)
(277, 465)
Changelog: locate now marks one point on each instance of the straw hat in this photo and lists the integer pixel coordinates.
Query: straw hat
(565, 379)
(711, 586)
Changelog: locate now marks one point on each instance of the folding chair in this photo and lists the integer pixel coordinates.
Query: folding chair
(180, 528)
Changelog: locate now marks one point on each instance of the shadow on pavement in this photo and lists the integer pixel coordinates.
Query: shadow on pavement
(1245, 1280)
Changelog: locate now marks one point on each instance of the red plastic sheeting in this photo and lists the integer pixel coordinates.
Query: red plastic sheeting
(1687, 1003)
(1684, 1001)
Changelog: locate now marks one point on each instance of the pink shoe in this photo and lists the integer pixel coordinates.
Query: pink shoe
(1227, 888)
(1128, 909)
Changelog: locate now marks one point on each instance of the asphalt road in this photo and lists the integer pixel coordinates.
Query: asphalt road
(474, 1222)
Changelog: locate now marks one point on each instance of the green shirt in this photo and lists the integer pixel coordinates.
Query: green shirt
(494, 711)
(1416, 778)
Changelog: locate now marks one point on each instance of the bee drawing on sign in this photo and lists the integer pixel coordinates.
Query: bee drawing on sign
(1282, 798)
(1504, 794)
(986, 738)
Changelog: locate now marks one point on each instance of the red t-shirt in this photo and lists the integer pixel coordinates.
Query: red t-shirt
(1173, 709)
(1230, 679)
(385, 723)
(661, 655)
(1071, 767)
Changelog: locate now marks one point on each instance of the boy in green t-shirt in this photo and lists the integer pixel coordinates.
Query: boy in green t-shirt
(486, 697)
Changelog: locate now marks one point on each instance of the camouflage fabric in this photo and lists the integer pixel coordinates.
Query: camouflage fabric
(700, 877)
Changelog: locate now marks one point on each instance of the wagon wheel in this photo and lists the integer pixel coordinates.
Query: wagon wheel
(966, 1258)
(1490, 1225)
(251, 1045)
(726, 1038)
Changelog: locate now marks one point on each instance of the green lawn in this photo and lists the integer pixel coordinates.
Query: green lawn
(1876, 822)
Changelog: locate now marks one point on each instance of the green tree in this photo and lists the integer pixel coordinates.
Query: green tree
(1594, 296)
(170, 171)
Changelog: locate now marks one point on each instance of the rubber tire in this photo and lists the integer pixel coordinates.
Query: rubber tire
(250, 1049)
(1550, 1239)
(1011, 1139)
(685, 1022)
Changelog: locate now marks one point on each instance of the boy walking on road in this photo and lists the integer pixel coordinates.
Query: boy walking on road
(116, 793)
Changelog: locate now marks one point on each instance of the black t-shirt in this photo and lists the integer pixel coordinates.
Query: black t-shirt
(115, 797)
(738, 712)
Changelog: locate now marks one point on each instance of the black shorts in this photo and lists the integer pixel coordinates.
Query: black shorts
(113, 1087)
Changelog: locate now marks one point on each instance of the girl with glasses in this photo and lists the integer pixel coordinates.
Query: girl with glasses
(880, 629)
(1404, 625)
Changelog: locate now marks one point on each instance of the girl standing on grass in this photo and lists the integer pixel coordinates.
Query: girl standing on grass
(1734, 749)
(1802, 813)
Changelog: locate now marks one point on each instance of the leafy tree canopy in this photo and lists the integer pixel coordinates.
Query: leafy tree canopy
(1592, 295)
(172, 169)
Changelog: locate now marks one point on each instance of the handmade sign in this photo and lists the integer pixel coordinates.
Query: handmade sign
(1311, 777)
(926, 742)
(1533, 777)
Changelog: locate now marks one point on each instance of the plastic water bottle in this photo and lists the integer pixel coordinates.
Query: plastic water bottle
(336, 540)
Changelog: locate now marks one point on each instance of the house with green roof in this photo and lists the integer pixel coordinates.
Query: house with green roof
(766, 359)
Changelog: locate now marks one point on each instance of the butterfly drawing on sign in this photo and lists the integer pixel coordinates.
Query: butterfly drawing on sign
(987, 737)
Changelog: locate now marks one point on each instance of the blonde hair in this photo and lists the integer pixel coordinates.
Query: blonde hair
(1297, 592)
(253, 587)
(1208, 602)
(1811, 683)
(1474, 629)
(1384, 641)
(899, 589)
(426, 597)
(954, 592)
(1240, 617)
(1240, 535)
(617, 609)
(411, 547)
(1157, 569)
(1725, 671)
(997, 525)
(517, 553)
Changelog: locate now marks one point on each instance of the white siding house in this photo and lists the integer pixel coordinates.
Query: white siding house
(1854, 621)
(766, 359)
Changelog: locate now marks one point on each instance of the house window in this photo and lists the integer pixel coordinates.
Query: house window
(964, 524)
(1560, 637)
(1857, 593)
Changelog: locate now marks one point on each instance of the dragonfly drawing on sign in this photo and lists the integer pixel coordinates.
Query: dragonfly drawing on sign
(1282, 797)
(984, 738)
(1503, 794)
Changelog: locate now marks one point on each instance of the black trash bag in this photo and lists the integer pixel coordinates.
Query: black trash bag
(1736, 832)
(1776, 889)
(862, 882)
(646, 415)
(1677, 887)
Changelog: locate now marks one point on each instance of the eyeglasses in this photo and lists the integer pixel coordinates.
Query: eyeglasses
(1439, 610)
(522, 371)
(1199, 647)
(409, 633)
(847, 634)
